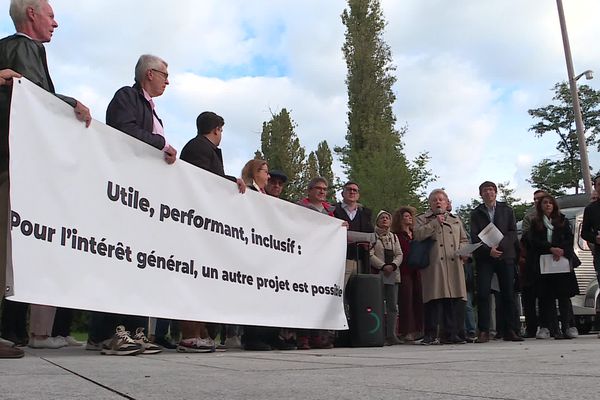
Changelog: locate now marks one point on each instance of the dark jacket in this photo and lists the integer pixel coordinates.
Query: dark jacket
(362, 222)
(504, 219)
(552, 285)
(131, 113)
(202, 153)
(27, 57)
(591, 224)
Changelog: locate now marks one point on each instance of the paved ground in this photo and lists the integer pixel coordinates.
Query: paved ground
(534, 369)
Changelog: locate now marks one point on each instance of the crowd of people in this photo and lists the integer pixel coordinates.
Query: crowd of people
(427, 304)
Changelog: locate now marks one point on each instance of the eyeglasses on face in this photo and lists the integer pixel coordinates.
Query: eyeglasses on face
(164, 74)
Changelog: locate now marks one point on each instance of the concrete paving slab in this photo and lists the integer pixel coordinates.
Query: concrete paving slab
(533, 369)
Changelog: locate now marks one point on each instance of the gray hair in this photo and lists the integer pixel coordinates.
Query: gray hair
(434, 193)
(18, 9)
(146, 62)
(319, 179)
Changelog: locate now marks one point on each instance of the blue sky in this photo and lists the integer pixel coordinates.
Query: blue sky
(467, 72)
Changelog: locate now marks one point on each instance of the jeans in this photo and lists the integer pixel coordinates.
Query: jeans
(470, 326)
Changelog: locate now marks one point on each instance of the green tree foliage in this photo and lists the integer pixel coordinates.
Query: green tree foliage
(325, 162)
(281, 148)
(549, 176)
(506, 194)
(312, 167)
(558, 118)
(373, 155)
(464, 212)
(421, 177)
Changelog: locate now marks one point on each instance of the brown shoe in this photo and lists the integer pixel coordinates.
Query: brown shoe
(511, 336)
(10, 352)
(483, 337)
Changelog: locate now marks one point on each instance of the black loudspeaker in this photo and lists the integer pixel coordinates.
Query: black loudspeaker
(365, 299)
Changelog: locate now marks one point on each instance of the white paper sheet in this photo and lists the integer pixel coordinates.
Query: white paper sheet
(491, 235)
(549, 266)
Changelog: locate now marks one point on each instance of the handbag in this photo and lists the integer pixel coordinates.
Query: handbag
(418, 255)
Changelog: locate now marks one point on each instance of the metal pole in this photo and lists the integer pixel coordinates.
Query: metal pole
(583, 154)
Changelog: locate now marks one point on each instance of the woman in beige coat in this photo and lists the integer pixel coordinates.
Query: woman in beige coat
(386, 257)
(444, 289)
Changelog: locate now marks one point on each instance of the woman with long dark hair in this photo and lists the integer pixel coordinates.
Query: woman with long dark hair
(410, 296)
(550, 235)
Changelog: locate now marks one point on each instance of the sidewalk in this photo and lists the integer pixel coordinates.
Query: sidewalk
(534, 369)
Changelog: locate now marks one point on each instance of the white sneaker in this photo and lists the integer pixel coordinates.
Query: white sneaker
(71, 341)
(572, 332)
(47, 343)
(542, 333)
(233, 342)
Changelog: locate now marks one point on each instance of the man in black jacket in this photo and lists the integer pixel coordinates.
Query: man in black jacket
(203, 151)
(500, 259)
(359, 219)
(132, 109)
(24, 53)
(590, 227)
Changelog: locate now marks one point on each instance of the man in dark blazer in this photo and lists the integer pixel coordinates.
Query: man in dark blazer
(500, 259)
(359, 219)
(203, 151)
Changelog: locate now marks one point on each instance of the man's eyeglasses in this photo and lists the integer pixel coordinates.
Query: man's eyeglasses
(321, 188)
(164, 74)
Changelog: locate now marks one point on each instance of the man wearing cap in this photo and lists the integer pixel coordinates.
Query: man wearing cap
(276, 183)
(500, 259)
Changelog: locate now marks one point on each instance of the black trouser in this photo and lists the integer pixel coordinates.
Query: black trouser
(14, 320)
(501, 324)
(505, 270)
(62, 322)
(102, 325)
(529, 310)
(444, 315)
(549, 309)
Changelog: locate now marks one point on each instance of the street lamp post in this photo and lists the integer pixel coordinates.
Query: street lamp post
(583, 154)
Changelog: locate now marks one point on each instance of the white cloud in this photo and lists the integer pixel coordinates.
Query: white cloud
(467, 72)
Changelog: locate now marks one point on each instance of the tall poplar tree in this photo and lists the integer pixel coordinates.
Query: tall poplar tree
(373, 155)
(281, 148)
(325, 162)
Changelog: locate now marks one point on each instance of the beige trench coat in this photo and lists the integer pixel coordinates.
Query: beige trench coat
(445, 276)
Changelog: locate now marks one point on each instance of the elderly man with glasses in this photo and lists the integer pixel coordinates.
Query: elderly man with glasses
(23, 54)
(132, 109)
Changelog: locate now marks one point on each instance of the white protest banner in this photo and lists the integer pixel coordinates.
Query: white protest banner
(101, 222)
